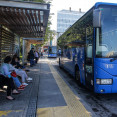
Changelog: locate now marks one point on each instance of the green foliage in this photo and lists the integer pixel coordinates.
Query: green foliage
(42, 1)
(49, 33)
(34, 44)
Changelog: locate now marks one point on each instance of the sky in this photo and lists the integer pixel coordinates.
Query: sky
(58, 5)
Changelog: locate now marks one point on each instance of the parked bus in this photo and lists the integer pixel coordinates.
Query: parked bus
(52, 51)
(89, 48)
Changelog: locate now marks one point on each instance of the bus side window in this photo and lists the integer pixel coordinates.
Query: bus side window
(73, 54)
(89, 51)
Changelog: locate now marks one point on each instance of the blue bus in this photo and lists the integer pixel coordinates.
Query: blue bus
(52, 51)
(89, 48)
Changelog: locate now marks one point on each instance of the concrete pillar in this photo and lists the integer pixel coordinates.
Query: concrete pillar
(27, 49)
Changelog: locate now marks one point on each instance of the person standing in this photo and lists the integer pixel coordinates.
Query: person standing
(31, 54)
(36, 56)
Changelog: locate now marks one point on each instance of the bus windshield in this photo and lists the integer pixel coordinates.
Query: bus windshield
(106, 36)
(52, 50)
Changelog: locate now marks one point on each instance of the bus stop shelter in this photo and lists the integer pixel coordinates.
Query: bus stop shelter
(24, 19)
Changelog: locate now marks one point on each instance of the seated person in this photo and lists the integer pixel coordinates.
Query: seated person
(5, 70)
(10, 86)
(20, 73)
(15, 61)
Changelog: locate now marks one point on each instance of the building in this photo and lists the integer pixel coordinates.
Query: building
(66, 18)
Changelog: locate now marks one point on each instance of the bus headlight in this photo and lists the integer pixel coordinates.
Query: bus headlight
(104, 81)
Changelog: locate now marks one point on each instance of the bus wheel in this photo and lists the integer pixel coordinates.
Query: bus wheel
(77, 76)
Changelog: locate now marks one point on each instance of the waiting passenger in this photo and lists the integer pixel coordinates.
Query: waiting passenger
(20, 72)
(10, 86)
(15, 60)
(36, 56)
(5, 70)
(31, 56)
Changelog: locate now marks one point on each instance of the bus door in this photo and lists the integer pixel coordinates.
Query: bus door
(89, 60)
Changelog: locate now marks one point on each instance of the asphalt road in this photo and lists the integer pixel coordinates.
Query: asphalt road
(102, 105)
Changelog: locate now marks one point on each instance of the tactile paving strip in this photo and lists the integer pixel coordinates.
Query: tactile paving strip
(73, 102)
(31, 111)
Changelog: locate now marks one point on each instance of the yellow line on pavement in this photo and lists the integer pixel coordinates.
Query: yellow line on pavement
(5, 113)
(61, 111)
(74, 107)
(73, 102)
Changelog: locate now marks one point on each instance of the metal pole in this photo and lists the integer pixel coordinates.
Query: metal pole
(19, 46)
(23, 51)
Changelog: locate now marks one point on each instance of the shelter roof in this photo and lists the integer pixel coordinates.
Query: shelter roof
(26, 19)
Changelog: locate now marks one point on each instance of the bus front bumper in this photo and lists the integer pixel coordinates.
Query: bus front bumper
(107, 88)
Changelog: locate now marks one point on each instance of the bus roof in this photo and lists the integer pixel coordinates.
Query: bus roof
(90, 10)
(104, 3)
(77, 21)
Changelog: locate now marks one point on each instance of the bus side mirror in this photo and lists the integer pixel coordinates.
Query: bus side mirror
(97, 18)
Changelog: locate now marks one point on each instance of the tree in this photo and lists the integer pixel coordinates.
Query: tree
(49, 33)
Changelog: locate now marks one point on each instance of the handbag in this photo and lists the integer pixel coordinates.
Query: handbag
(13, 74)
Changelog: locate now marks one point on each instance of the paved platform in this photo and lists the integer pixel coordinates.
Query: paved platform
(47, 96)
(24, 103)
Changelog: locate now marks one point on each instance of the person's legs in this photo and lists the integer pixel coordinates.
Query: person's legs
(36, 59)
(23, 75)
(6, 81)
(10, 84)
(10, 87)
(26, 76)
(31, 62)
(1, 81)
(9, 90)
(23, 78)
(16, 81)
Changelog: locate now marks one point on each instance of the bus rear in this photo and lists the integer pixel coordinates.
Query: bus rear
(52, 51)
